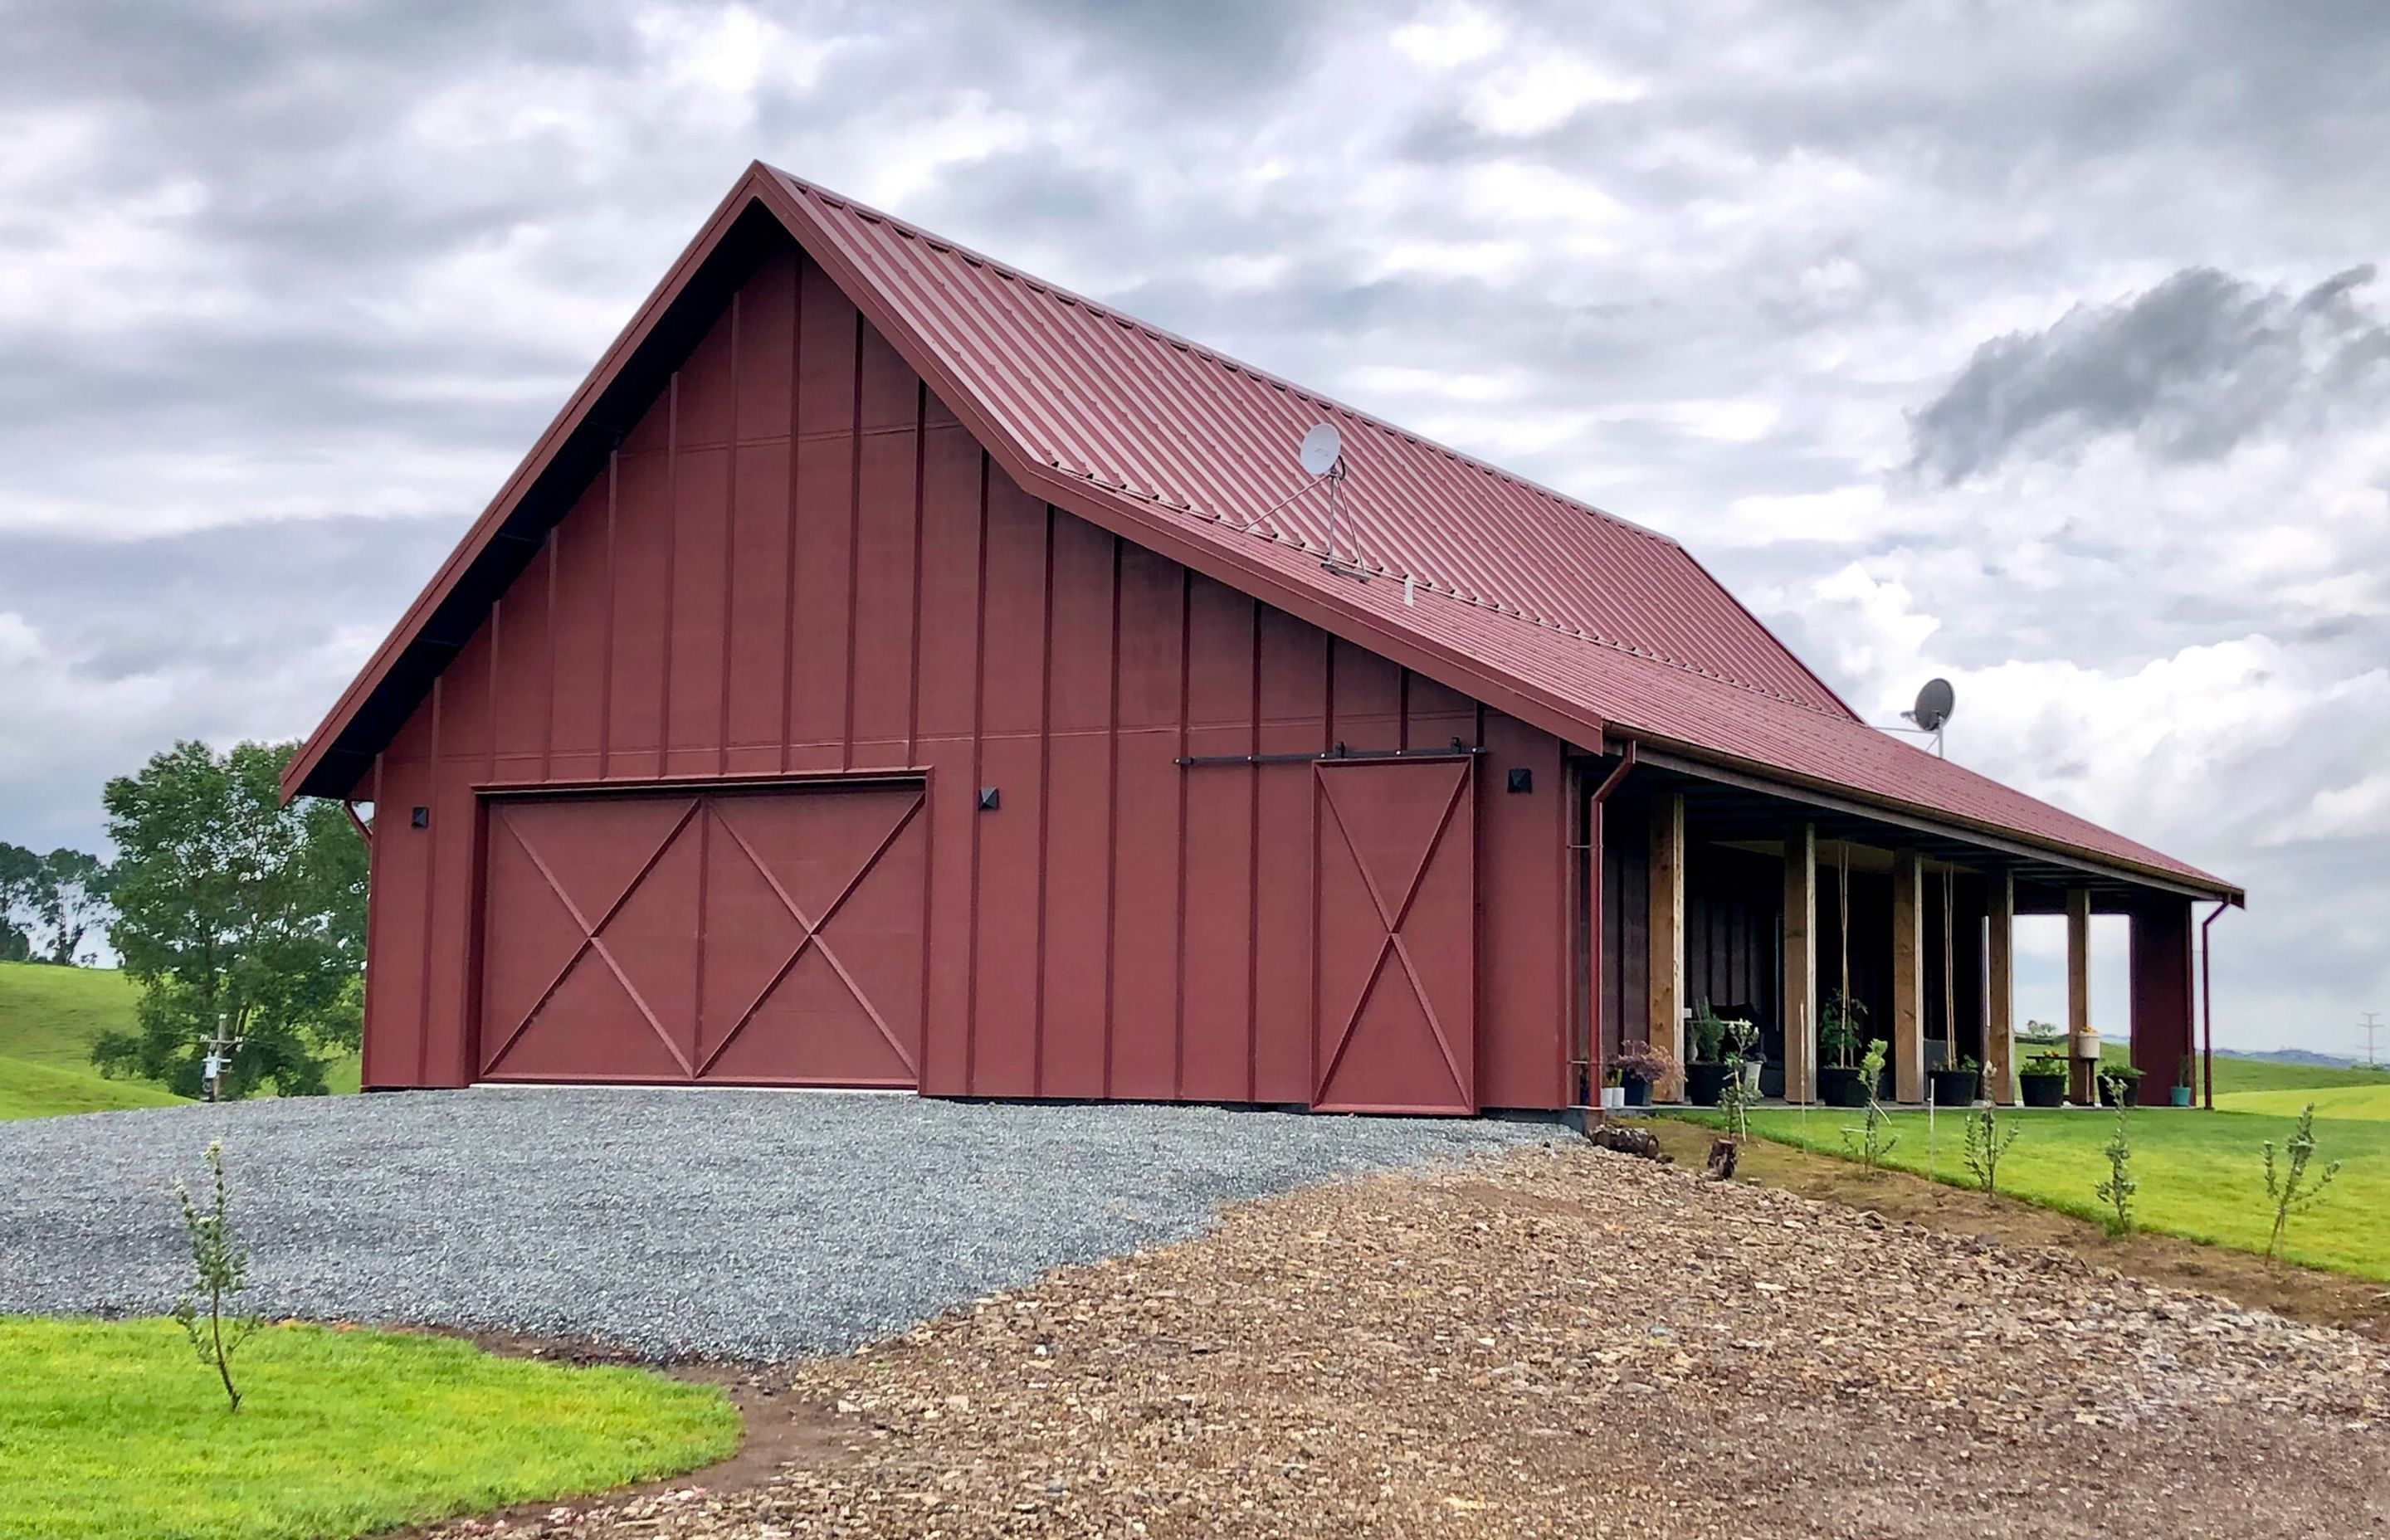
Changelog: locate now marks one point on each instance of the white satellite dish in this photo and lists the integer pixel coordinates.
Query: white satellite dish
(1322, 447)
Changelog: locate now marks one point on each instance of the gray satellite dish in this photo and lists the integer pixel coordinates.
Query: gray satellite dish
(1322, 447)
(1934, 705)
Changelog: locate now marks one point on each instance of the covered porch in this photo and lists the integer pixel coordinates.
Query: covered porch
(1775, 902)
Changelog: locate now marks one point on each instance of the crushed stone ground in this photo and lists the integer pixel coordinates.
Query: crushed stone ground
(706, 1223)
(1564, 1341)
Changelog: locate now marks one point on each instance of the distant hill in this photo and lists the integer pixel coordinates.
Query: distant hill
(2296, 1056)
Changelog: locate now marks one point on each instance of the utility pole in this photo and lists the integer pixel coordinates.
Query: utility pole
(220, 1048)
(2371, 1028)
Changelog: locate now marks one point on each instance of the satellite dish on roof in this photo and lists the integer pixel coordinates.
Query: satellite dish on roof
(1934, 705)
(1322, 447)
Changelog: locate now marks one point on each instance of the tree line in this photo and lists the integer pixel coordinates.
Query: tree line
(238, 918)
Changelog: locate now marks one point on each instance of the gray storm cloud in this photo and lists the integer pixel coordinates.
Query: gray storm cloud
(2191, 368)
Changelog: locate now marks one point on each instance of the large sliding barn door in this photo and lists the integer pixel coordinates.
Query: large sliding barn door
(1395, 1024)
(764, 938)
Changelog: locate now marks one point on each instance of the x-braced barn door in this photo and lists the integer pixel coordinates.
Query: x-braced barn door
(758, 938)
(1394, 1028)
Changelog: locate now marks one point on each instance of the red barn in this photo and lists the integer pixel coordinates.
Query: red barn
(891, 670)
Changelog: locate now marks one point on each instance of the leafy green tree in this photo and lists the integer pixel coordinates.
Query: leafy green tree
(233, 908)
(48, 903)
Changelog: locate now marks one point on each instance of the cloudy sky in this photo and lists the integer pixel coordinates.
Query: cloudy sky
(2037, 345)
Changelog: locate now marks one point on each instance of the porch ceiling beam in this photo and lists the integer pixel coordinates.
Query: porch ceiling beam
(1914, 824)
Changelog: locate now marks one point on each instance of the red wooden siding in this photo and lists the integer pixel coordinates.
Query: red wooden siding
(798, 566)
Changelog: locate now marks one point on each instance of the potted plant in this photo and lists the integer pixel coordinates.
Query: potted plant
(1742, 1049)
(1842, 1029)
(1706, 1072)
(2042, 1081)
(2119, 1084)
(1956, 1086)
(1613, 1094)
(2183, 1081)
(1641, 1067)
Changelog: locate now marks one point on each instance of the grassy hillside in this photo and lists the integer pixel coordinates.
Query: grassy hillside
(30, 1090)
(2236, 1076)
(50, 1015)
(48, 1018)
(2369, 1103)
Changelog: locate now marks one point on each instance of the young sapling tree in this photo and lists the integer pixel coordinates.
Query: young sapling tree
(2288, 1186)
(2117, 1190)
(1870, 1141)
(1986, 1142)
(209, 1311)
(1735, 1095)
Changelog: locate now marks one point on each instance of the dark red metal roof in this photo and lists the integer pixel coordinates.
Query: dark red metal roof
(1548, 608)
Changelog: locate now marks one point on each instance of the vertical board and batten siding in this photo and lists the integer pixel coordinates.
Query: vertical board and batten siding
(799, 563)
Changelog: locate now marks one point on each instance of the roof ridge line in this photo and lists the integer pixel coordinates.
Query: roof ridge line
(1211, 354)
(1446, 588)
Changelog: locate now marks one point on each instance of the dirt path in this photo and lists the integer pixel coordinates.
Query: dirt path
(1566, 1342)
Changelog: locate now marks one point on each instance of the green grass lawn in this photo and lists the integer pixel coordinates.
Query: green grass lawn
(116, 1429)
(2201, 1174)
(48, 1018)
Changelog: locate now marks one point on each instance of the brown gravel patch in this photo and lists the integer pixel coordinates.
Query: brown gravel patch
(1567, 1342)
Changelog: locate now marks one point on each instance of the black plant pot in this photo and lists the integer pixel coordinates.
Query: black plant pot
(1841, 1087)
(1706, 1083)
(1638, 1092)
(2042, 1090)
(1954, 1087)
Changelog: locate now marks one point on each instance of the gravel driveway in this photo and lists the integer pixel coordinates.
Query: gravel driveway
(679, 1223)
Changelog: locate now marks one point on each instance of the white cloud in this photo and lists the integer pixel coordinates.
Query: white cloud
(1459, 37)
(1544, 94)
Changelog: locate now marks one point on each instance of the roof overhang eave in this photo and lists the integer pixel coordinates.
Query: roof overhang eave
(1708, 764)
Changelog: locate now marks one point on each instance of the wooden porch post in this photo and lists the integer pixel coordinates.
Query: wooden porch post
(1664, 1024)
(2000, 969)
(2083, 1083)
(1908, 977)
(1800, 991)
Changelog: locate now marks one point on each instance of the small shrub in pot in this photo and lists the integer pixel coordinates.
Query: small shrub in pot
(1841, 1037)
(2042, 1081)
(1642, 1066)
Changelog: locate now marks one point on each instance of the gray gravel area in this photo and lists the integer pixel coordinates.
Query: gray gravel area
(752, 1225)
